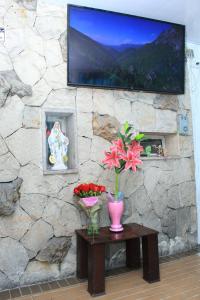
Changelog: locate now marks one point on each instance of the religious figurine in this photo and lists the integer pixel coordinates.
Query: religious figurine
(58, 144)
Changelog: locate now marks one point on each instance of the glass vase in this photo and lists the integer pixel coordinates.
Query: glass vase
(93, 224)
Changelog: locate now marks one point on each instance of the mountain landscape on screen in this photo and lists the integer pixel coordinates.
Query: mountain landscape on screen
(156, 65)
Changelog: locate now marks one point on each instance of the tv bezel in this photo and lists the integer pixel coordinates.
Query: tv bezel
(155, 91)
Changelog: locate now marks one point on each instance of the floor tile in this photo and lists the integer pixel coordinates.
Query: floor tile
(54, 285)
(63, 282)
(24, 298)
(45, 287)
(25, 290)
(35, 289)
(180, 280)
(5, 295)
(15, 293)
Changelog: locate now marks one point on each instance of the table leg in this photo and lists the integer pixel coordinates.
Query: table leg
(151, 271)
(82, 258)
(96, 269)
(133, 253)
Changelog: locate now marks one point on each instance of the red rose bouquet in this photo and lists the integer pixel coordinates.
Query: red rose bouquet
(89, 190)
(90, 203)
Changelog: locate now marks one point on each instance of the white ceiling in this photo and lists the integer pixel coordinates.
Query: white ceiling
(178, 11)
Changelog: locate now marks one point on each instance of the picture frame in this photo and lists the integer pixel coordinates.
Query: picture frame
(123, 51)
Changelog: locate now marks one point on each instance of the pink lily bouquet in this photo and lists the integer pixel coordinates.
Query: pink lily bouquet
(124, 153)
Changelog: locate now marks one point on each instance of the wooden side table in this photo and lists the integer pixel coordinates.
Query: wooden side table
(91, 254)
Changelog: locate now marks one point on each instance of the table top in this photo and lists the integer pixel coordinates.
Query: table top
(130, 231)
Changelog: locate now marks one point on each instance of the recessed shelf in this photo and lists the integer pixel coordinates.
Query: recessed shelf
(60, 154)
(170, 144)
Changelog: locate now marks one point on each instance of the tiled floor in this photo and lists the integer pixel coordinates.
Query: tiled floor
(180, 279)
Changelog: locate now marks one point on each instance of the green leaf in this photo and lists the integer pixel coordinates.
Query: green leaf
(128, 129)
(128, 141)
(117, 170)
(145, 138)
(122, 165)
(126, 126)
(120, 135)
(139, 136)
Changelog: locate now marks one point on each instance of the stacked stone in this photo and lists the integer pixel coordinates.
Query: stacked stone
(37, 212)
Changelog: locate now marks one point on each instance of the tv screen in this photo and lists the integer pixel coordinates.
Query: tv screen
(113, 50)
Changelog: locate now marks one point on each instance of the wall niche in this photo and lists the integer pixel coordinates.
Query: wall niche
(158, 146)
(60, 154)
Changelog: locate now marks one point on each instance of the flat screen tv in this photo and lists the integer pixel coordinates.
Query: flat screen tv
(118, 51)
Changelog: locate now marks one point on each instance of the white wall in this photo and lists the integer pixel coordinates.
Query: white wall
(194, 77)
(180, 11)
(160, 196)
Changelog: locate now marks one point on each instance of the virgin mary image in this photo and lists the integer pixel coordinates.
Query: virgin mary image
(58, 144)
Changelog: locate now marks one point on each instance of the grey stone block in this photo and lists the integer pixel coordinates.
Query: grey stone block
(105, 126)
(55, 250)
(9, 194)
(10, 84)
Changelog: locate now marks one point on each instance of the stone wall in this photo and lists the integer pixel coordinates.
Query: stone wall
(37, 212)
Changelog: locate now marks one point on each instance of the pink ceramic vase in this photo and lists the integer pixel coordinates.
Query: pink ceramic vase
(116, 209)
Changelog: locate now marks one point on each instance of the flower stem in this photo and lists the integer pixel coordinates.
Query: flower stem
(116, 185)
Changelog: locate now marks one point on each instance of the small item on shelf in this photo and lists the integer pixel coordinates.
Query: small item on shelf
(147, 151)
(160, 150)
(124, 154)
(152, 147)
(90, 203)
